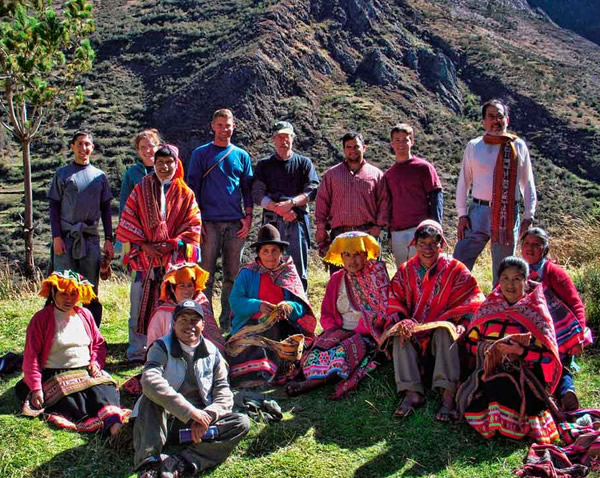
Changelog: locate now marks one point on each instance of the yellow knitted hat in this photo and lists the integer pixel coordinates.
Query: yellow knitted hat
(353, 241)
(65, 281)
(184, 272)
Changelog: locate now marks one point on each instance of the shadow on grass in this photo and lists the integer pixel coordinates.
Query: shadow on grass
(415, 446)
(9, 403)
(88, 460)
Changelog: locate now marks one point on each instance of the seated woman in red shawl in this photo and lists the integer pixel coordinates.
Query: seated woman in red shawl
(160, 225)
(272, 319)
(566, 308)
(353, 317)
(63, 361)
(517, 360)
(435, 299)
(183, 281)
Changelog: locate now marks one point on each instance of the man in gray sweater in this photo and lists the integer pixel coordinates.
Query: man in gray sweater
(186, 399)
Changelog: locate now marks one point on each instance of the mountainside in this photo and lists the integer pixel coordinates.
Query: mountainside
(332, 65)
(581, 16)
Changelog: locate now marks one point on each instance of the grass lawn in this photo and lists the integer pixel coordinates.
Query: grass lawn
(356, 436)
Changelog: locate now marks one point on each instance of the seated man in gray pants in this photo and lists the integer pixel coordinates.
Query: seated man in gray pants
(186, 399)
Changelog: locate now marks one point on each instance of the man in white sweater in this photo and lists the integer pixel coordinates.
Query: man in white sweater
(497, 169)
(187, 400)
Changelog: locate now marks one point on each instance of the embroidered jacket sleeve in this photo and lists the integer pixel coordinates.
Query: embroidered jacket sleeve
(34, 350)
(330, 318)
(243, 302)
(562, 285)
(298, 308)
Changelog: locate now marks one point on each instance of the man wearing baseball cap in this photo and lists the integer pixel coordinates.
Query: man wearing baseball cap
(284, 184)
(186, 399)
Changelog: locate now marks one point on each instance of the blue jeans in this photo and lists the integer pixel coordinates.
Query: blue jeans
(296, 233)
(220, 239)
(468, 249)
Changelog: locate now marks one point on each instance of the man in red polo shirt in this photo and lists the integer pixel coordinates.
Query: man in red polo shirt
(415, 193)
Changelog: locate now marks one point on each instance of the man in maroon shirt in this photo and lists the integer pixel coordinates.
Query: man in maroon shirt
(415, 193)
(351, 197)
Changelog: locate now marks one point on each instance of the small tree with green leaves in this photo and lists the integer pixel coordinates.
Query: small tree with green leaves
(43, 52)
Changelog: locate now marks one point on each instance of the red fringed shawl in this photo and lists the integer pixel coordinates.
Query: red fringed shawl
(141, 220)
(447, 291)
(495, 317)
(504, 188)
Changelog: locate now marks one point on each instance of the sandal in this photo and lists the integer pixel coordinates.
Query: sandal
(446, 413)
(409, 404)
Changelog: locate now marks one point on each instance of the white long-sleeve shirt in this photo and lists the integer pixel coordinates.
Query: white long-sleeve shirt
(477, 174)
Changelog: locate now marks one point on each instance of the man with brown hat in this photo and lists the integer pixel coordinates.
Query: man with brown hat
(284, 184)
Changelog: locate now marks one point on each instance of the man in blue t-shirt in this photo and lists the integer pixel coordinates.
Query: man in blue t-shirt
(79, 197)
(220, 174)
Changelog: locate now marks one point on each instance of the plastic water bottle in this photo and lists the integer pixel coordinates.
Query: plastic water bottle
(211, 434)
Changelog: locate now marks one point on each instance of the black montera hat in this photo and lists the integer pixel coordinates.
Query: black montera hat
(268, 234)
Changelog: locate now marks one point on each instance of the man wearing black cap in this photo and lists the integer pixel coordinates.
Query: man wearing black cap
(284, 184)
(186, 399)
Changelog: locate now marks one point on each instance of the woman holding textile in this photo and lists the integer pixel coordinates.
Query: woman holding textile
(517, 360)
(353, 316)
(272, 319)
(183, 281)
(565, 306)
(435, 299)
(160, 225)
(63, 360)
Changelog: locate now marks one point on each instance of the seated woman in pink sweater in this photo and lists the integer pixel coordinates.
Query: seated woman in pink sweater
(181, 282)
(63, 360)
(353, 317)
(565, 306)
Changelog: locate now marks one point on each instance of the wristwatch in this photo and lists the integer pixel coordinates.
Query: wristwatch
(293, 201)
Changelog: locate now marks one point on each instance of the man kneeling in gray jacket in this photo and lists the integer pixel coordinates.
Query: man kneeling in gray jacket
(186, 399)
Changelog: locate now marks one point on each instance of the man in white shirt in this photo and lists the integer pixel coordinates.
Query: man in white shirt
(497, 169)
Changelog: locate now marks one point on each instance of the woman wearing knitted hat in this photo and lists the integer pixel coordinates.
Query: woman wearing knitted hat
(353, 317)
(63, 360)
(183, 281)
